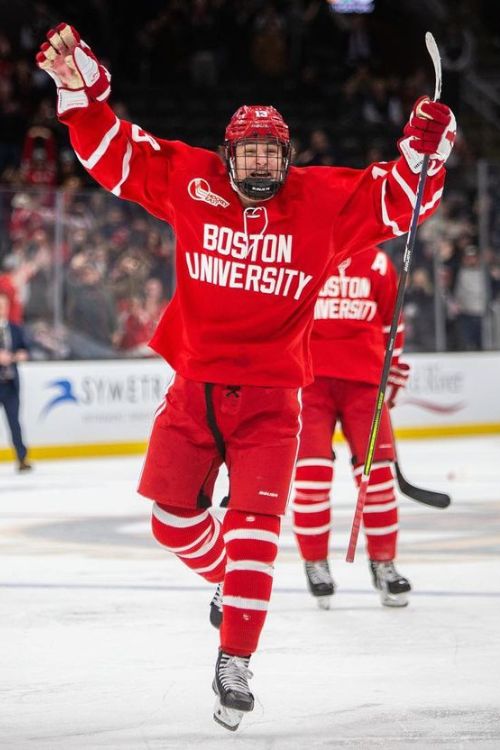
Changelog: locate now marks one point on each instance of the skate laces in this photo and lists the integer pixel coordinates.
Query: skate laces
(233, 672)
(217, 599)
(318, 572)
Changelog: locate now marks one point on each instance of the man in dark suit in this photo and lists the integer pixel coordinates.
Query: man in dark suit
(13, 349)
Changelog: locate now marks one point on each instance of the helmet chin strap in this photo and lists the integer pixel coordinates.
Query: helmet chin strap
(243, 195)
(245, 191)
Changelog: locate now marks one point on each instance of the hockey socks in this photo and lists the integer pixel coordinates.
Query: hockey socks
(251, 545)
(194, 536)
(380, 514)
(311, 507)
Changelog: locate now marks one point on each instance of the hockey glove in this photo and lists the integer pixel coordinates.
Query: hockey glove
(77, 73)
(431, 129)
(398, 378)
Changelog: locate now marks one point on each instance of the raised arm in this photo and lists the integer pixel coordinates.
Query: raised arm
(121, 156)
(380, 199)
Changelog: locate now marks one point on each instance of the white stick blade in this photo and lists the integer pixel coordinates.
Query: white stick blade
(433, 50)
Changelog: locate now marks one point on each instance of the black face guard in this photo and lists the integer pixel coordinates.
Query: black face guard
(264, 183)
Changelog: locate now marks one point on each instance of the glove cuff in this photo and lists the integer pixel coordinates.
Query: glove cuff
(68, 99)
(413, 158)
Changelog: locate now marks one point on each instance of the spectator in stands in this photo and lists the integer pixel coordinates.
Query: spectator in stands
(471, 296)
(14, 284)
(137, 328)
(457, 55)
(319, 152)
(381, 107)
(39, 157)
(90, 311)
(160, 250)
(268, 46)
(155, 301)
(13, 349)
(128, 276)
(419, 313)
(25, 217)
(204, 42)
(47, 342)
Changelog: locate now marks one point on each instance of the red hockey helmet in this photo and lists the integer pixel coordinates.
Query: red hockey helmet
(258, 124)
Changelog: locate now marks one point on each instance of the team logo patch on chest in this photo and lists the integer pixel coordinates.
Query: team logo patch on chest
(199, 190)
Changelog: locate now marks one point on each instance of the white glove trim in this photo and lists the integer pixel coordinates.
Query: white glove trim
(87, 66)
(413, 158)
(71, 99)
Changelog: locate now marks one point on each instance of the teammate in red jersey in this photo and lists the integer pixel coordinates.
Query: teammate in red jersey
(254, 239)
(353, 317)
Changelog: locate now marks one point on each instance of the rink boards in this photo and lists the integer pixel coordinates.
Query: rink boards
(95, 408)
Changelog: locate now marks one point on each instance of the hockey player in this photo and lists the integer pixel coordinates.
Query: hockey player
(254, 239)
(353, 316)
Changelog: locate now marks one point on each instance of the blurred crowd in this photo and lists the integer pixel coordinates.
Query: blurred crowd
(90, 275)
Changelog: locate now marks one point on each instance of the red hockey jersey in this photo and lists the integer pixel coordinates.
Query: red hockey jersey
(352, 318)
(247, 278)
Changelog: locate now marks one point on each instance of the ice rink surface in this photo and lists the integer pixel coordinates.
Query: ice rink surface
(105, 641)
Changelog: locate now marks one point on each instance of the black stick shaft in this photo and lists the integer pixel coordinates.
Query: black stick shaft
(379, 404)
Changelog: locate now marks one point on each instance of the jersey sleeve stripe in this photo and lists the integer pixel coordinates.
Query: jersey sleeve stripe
(404, 186)
(435, 198)
(385, 216)
(125, 170)
(101, 148)
(102, 97)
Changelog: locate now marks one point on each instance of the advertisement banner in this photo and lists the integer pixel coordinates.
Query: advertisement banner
(99, 407)
(450, 394)
(89, 403)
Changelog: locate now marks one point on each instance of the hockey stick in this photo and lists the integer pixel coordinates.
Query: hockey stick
(427, 497)
(403, 276)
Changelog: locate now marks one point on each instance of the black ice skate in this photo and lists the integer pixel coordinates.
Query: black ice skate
(320, 582)
(231, 687)
(216, 608)
(393, 587)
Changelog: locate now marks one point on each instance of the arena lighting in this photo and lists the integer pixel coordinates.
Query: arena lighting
(351, 6)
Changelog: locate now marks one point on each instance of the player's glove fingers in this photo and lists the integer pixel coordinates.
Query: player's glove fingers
(430, 130)
(420, 127)
(74, 67)
(64, 38)
(430, 110)
(60, 67)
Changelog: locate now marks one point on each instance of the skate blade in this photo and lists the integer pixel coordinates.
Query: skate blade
(229, 718)
(324, 602)
(394, 600)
